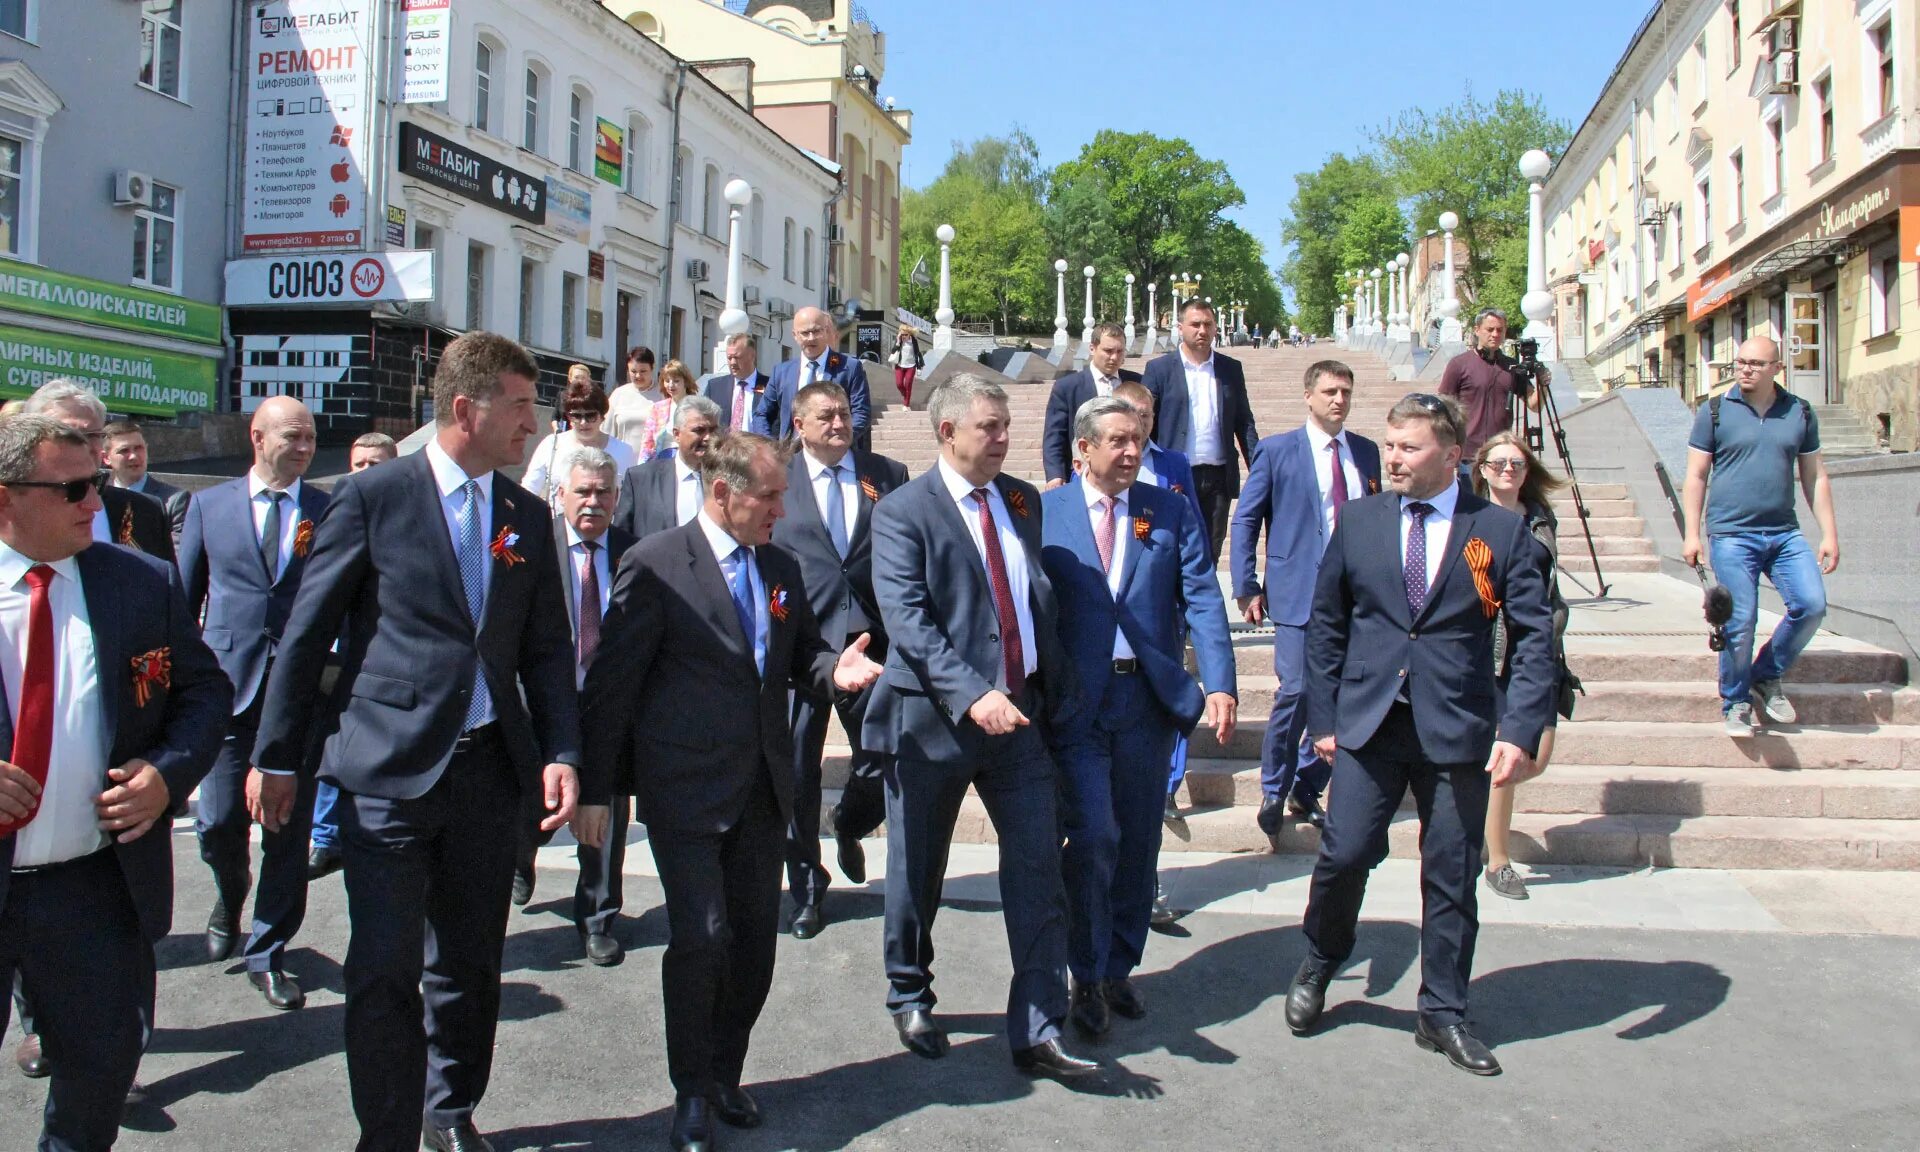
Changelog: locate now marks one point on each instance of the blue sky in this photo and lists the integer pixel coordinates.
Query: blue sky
(1271, 88)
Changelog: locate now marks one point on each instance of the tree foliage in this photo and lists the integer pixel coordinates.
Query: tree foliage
(1343, 219)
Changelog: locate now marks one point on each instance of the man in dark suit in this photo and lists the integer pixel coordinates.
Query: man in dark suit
(589, 550)
(686, 709)
(1129, 564)
(739, 392)
(242, 555)
(127, 459)
(975, 672)
(1400, 695)
(113, 711)
(124, 518)
(1204, 412)
(1098, 378)
(814, 332)
(1298, 485)
(455, 703)
(664, 492)
(835, 488)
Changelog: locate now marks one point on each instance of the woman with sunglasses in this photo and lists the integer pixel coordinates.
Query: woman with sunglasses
(583, 408)
(1506, 472)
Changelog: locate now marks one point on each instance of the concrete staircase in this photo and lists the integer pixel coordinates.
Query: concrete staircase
(1843, 433)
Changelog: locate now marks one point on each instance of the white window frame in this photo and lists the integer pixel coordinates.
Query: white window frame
(526, 297)
(1883, 290)
(639, 145)
(1822, 107)
(179, 27)
(572, 289)
(1673, 102)
(757, 228)
(536, 79)
(494, 104)
(29, 23)
(711, 212)
(177, 220)
(806, 260)
(1776, 182)
(1870, 60)
(27, 106)
(1735, 52)
(786, 250)
(1700, 85)
(1737, 180)
(1676, 226)
(579, 128)
(677, 190)
(1703, 213)
(478, 256)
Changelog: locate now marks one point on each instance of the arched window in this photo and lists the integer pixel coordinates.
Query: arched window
(648, 25)
(711, 213)
(786, 251)
(579, 129)
(682, 160)
(639, 154)
(487, 55)
(533, 118)
(757, 228)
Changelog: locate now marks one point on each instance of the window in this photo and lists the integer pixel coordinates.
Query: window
(1739, 315)
(569, 311)
(476, 285)
(532, 123)
(529, 299)
(1703, 213)
(156, 247)
(425, 238)
(1737, 164)
(786, 251)
(1676, 223)
(757, 228)
(639, 148)
(711, 213)
(1706, 349)
(1700, 69)
(13, 18)
(1823, 105)
(1776, 158)
(13, 192)
(1673, 104)
(682, 160)
(1883, 291)
(483, 85)
(806, 260)
(1880, 36)
(577, 129)
(1733, 36)
(160, 46)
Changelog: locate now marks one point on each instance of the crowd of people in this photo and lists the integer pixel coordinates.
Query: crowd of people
(419, 677)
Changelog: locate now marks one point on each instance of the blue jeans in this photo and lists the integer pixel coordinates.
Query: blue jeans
(1738, 560)
(326, 830)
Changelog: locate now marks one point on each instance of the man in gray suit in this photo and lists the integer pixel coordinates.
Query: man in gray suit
(664, 492)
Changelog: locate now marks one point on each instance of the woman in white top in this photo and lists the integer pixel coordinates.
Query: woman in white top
(629, 406)
(676, 384)
(584, 408)
(906, 364)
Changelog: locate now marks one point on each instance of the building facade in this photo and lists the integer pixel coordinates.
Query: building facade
(1751, 167)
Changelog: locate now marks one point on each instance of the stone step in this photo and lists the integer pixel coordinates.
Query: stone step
(1640, 743)
(1666, 659)
(1611, 565)
(1609, 507)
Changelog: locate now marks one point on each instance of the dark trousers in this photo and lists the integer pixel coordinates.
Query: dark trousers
(427, 879)
(1214, 485)
(723, 916)
(72, 936)
(1015, 779)
(807, 880)
(280, 901)
(1368, 784)
(600, 891)
(1287, 765)
(1115, 796)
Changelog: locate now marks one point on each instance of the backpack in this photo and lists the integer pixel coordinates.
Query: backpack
(1713, 408)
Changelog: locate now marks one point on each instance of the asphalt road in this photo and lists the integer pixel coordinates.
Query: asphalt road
(1611, 1038)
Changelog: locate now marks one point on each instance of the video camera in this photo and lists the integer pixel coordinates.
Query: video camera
(1525, 368)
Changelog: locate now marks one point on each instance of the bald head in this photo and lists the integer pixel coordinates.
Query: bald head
(814, 331)
(1756, 362)
(283, 440)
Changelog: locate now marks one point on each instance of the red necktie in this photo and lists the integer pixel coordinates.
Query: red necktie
(1012, 655)
(33, 727)
(1339, 486)
(1103, 539)
(740, 389)
(589, 605)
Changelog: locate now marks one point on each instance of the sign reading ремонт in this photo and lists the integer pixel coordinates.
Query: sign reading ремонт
(308, 94)
(44, 292)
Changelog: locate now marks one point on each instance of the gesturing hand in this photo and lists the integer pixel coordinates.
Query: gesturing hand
(996, 714)
(270, 798)
(562, 792)
(139, 797)
(855, 670)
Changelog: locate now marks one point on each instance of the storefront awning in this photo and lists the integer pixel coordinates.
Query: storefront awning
(1652, 320)
(1790, 9)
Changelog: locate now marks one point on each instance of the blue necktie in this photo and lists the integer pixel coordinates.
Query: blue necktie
(472, 555)
(836, 512)
(740, 584)
(1416, 566)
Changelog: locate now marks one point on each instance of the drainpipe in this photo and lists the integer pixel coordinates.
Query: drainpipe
(674, 195)
(826, 236)
(230, 211)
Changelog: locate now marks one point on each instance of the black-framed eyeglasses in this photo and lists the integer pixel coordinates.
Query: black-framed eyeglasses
(73, 490)
(1754, 365)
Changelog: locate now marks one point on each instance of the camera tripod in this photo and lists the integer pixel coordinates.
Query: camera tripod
(1533, 427)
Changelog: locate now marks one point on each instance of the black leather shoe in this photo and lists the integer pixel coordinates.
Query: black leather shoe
(1308, 997)
(31, 1061)
(1089, 1011)
(1175, 822)
(281, 990)
(920, 1034)
(1460, 1046)
(1052, 1061)
(1163, 916)
(223, 932)
(465, 1138)
(1124, 998)
(807, 922)
(692, 1129)
(853, 856)
(323, 862)
(136, 1095)
(1307, 810)
(603, 951)
(522, 888)
(1271, 810)
(736, 1107)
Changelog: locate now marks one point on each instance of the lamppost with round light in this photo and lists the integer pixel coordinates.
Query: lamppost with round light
(943, 335)
(1449, 304)
(1537, 304)
(1060, 337)
(733, 316)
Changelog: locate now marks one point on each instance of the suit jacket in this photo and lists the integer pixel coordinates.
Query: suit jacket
(1170, 467)
(1283, 494)
(174, 500)
(1363, 644)
(774, 416)
(676, 714)
(244, 617)
(720, 391)
(382, 562)
(648, 503)
(616, 541)
(1167, 380)
(1167, 578)
(1056, 442)
(136, 605)
(942, 628)
(138, 522)
(841, 588)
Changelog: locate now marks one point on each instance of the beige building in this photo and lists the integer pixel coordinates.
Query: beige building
(810, 70)
(1751, 167)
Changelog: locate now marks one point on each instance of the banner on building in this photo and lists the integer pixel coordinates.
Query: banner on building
(464, 172)
(396, 226)
(569, 211)
(344, 278)
(426, 43)
(1910, 233)
(308, 89)
(127, 378)
(44, 292)
(609, 150)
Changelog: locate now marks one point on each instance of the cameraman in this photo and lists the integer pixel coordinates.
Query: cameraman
(1482, 380)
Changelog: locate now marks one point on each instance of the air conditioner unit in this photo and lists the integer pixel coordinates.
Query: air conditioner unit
(697, 270)
(833, 296)
(1785, 35)
(132, 189)
(836, 234)
(1785, 72)
(750, 294)
(779, 306)
(1651, 214)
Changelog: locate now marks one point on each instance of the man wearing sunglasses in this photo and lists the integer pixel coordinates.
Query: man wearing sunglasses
(113, 711)
(126, 518)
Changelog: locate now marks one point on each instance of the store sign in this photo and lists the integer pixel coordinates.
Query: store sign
(570, 211)
(464, 172)
(1910, 233)
(396, 226)
(426, 43)
(125, 377)
(1707, 294)
(308, 91)
(44, 292)
(346, 278)
(609, 150)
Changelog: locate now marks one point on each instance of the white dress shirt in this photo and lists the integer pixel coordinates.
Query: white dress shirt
(1439, 527)
(602, 570)
(1122, 532)
(811, 372)
(1012, 551)
(552, 463)
(1205, 442)
(724, 546)
(1317, 442)
(741, 384)
(849, 490)
(449, 477)
(1147, 474)
(1102, 385)
(67, 825)
(259, 502)
(687, 496)
(102, 531)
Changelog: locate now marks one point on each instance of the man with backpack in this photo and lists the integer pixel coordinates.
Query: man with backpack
(1753, 439)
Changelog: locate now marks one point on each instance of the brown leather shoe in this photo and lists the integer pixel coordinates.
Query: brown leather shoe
(32, 1062)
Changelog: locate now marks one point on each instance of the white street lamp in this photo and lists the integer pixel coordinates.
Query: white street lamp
(1129, 312)
(1537, 304)
(1153, 317)
(1374, 326)
(1060, 338)
(1449, 305)
(733, 317)
(943, 335)
(1086, 320)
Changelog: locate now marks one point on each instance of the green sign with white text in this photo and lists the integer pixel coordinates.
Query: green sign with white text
(44, 292)
(125, 377)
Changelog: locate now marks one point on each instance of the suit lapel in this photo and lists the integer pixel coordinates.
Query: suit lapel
(427, 510)
(947, 509)
(568, 577)
(1458, 533)
(708, 575)
(805, 503)
(103, 617)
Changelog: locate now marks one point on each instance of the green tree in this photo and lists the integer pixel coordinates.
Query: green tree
(990, 192)
(1316, 229)
(1160, 202)
(1236, 269)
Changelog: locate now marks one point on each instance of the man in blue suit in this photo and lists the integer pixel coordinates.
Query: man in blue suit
(974, 673)
(1129, 564)
(1099, 378)
(1204, 412)
(455, 702)
(1400, 695)
(243, 550)
(1298, 485)
(814, 332)
(113, 710)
